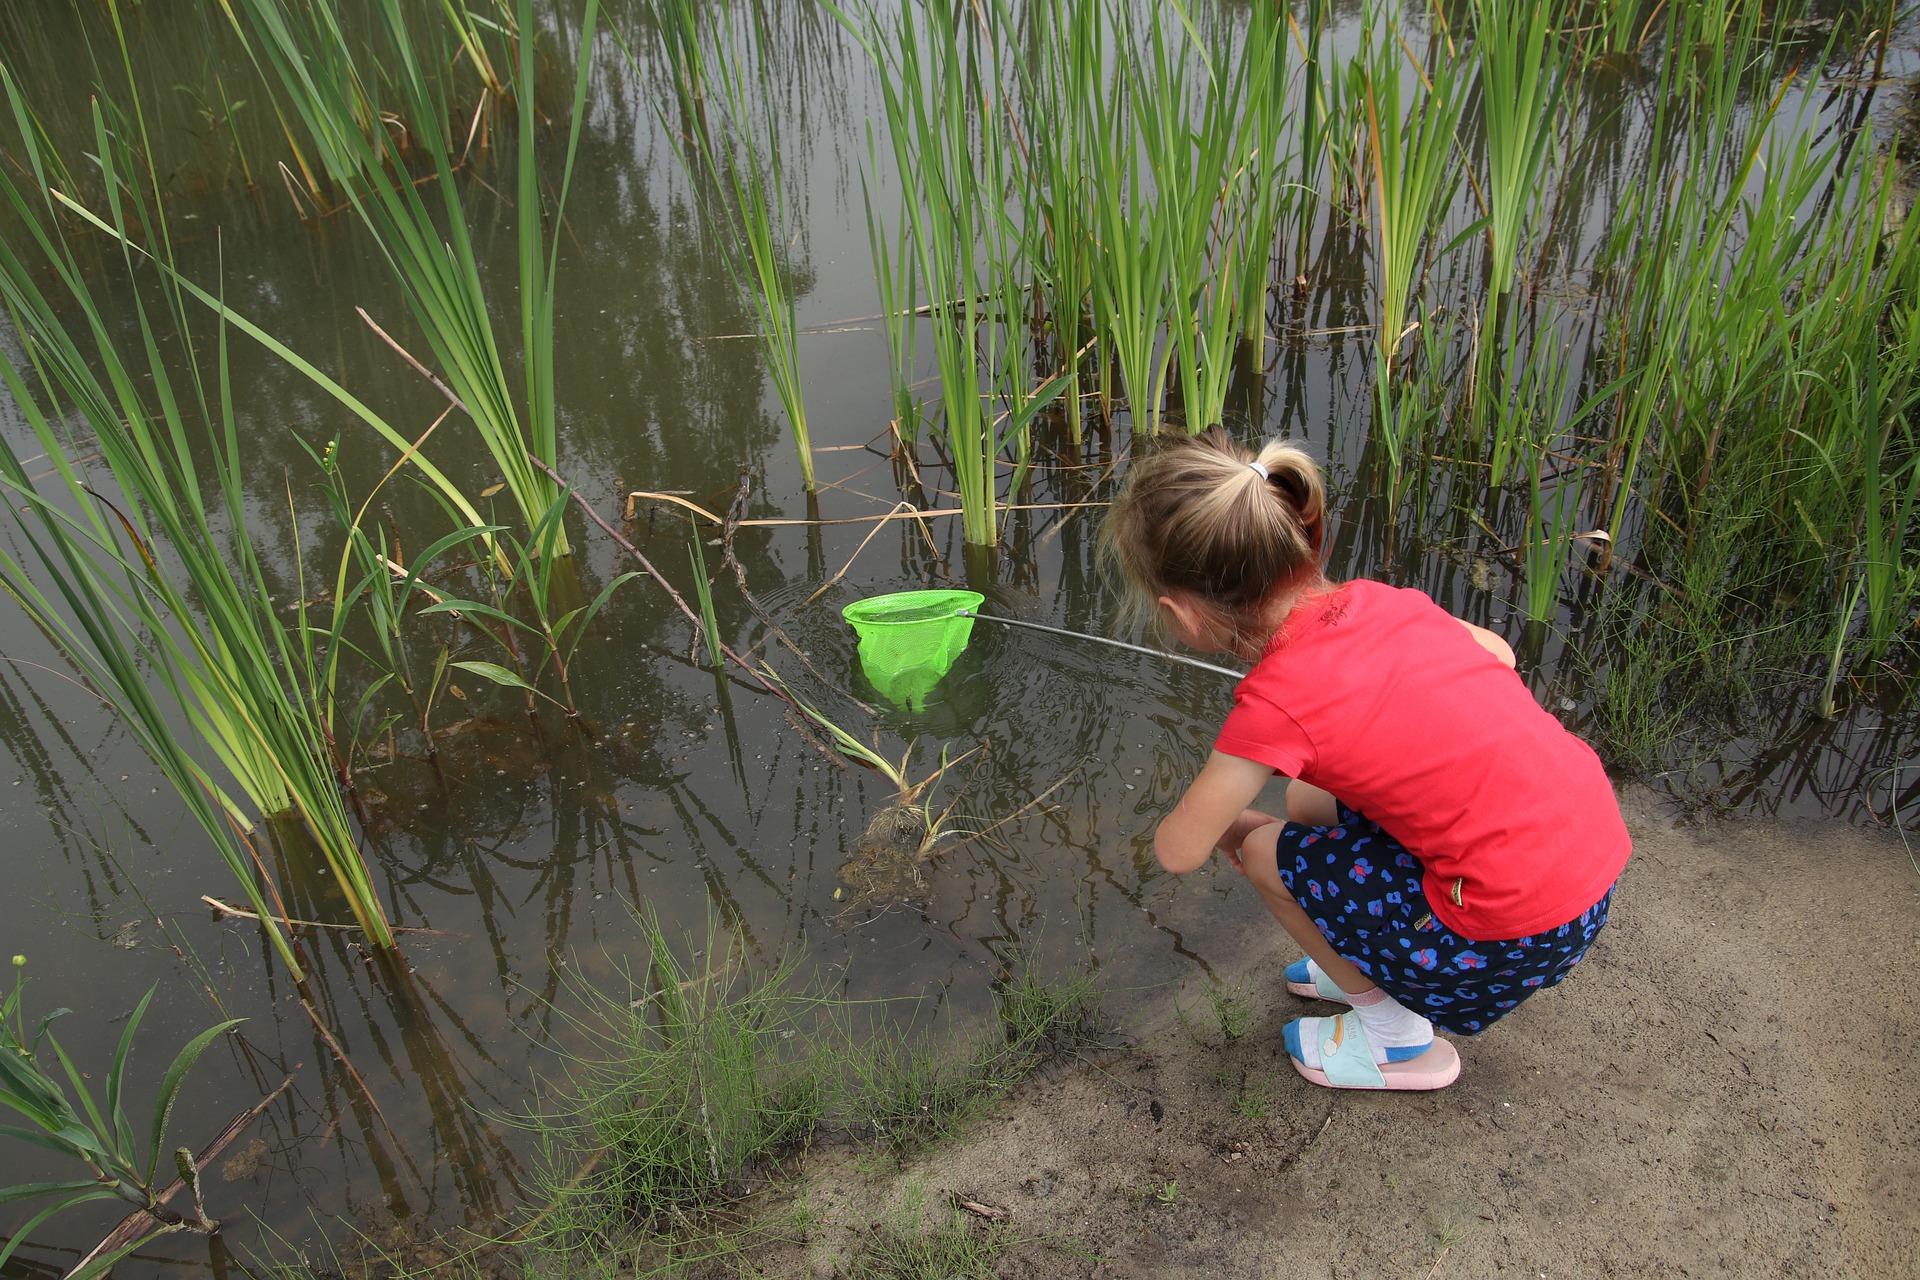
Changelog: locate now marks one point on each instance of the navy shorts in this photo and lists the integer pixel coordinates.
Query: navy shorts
(1363, 892)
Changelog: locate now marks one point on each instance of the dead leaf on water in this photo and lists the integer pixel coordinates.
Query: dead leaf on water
(492, 489)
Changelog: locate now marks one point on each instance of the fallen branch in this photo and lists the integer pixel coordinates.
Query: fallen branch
(911, 513)
(241, 913)
(138, 1224)
(992, 1213)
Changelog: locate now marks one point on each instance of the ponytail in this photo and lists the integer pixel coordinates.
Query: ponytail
(1226, 529)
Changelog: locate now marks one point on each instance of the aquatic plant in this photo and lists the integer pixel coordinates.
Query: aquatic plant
(99, 1136)
(1054, 180)
(895, 281)
(155, 596)
(1203, 194)
(747, 209)
(532, 578)
(1133, 263)
(1412, 155)
(937, 77)
(1520, 86)
(334, 88)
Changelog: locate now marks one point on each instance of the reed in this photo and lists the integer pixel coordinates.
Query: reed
(895, 279)
(334, 88)
(153, 594)
(1553, 487)
(754, 231)
(1263, 154)
(532, 582)
(1202, 195)
(1055, 180)
(1521, 81)
(1412, 153)
(703, 593)
(936, 80)
(99, 1137)
(1320, 103)
(1134, 261)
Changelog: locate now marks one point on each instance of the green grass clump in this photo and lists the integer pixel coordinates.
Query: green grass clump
(915, 1093)
(696, 1086)
(1232, 1009)
(692, 1084)
(910, 1247)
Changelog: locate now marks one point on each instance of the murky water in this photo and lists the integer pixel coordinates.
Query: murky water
(522, 856)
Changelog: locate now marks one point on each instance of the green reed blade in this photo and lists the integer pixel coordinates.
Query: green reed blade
(1521, 80)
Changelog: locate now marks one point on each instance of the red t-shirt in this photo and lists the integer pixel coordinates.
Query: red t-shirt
(1379, 696)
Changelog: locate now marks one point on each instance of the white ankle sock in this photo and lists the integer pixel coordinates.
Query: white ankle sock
(1389, 1025)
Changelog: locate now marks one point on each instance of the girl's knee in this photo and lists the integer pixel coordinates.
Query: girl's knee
(1259, 858)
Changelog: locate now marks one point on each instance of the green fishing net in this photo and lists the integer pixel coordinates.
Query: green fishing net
(909, 640)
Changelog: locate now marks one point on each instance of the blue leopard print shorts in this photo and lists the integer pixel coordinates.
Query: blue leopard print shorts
(1363, 892)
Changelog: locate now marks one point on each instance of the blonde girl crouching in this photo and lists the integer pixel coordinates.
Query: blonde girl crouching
(1448, 847)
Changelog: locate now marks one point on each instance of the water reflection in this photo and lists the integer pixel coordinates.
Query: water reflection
(527, 845)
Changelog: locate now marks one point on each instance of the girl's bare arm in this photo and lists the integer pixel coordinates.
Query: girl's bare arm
(1208, 811)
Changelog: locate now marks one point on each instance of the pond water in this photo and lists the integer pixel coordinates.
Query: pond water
(522, 856)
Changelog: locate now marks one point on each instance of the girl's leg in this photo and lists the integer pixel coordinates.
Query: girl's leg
(1393, 1035)
(1309, 806)
(1258, 855)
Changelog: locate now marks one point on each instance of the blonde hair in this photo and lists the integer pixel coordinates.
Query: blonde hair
(1198, 519)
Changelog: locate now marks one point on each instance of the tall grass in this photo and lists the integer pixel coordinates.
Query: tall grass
(752, 226)
(1520, 86)
(1055, 181)
(1203, 194)
(336, 89)
(1413, 158)
(896, 282)
(1263, 152)
(153, 594)
(1133, 285)
(937, 78)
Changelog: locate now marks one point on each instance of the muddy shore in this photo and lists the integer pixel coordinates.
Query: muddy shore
(1727, 1086)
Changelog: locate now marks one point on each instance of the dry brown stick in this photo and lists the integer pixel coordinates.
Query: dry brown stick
(991, 1212)
(915, 513)
(624, 544)
(871, 535)
(136, 1224)
(241, 913)
(406, 355)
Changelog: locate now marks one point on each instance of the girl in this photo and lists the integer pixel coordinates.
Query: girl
(1449, 848)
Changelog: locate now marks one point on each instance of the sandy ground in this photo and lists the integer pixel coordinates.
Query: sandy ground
(1727, 1086)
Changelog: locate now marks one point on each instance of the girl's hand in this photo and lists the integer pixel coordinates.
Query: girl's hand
(1249, 821)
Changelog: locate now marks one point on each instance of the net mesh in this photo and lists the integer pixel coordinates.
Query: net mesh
(909, 640)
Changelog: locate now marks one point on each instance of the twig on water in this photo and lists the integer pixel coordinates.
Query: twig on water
(241, 913)
(679, 601)
(137, 1224)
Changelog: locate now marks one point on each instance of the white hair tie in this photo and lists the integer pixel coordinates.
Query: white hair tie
(1261, 468)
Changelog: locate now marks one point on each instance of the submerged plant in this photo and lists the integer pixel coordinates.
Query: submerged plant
(557, 635)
